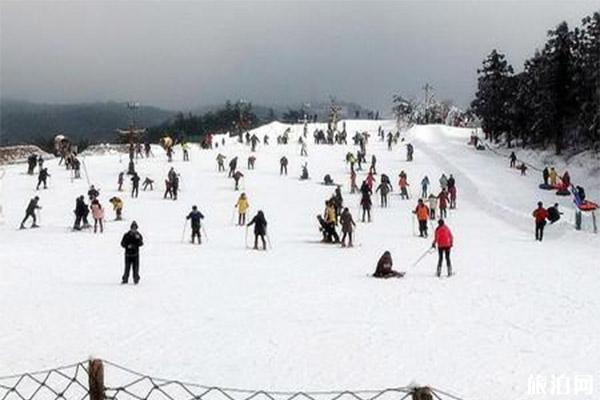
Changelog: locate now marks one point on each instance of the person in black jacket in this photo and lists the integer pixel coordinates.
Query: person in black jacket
(30, 212)
(42, 178)
(260, 229)
(81, 212)
(195, 216)
(131, 242)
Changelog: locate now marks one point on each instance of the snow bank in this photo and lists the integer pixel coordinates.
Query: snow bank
(17, 154)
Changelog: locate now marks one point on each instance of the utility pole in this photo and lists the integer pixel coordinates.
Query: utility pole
(428, 89)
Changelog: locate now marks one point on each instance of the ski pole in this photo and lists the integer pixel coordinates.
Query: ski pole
(204, 231)
(183, 233)
(246, 238)
(427, 252)
(413, 225)
(233, 217)
(269, 241)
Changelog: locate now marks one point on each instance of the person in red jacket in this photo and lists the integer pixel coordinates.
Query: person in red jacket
(443, 238)
(540, 214)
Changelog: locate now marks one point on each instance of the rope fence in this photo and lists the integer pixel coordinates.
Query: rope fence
(104, 380)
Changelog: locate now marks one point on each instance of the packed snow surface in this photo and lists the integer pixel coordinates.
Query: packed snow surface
(303, 315)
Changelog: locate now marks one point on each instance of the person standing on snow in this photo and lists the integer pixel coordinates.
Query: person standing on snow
(553, 176)
(260, 229)
(384, 189)
(403, 183)
(365, 201)
(348, 225)
(540, 214)
(452, 195)
(135, 185)
(283, 163)
(432, 201)
(30, 212)
(513, 159)
(81, 212)
(444, 182)
(444, 240)
(242, 205)
(545, 175)
(422, 213)
(42, 178)
(443, 202)
(98, 214)
(195, 216)
(424, 187)
(120, 181)
(131, 242)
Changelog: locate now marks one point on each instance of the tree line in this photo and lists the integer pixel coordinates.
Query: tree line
(554, 102)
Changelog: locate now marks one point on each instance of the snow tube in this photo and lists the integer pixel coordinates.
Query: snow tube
(588, 206)
(545, 186)
(563, 192)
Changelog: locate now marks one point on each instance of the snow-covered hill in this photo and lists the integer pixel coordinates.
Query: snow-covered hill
(304, 315)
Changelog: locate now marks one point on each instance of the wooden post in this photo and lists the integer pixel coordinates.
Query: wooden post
(96, 379)
(422, 393)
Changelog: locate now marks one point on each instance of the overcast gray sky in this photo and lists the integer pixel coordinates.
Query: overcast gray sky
(181, 55)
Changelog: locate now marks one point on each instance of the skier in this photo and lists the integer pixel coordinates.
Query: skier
(147, 149)
(283, 163)
(348, 225)
(31, 163)
(170, 153)
(384, 189)
(444, 240)
(353, 186)
(337, 199)
(451, 181)
(523, 168)
(254, 141)
(384, 267)
(443, 202)
(365, 201)
(444, 181)
(403, 183)
(370, 180)
(221, 162)
(135, 185)
(432, 200)
(303, 152)
(372, 169)
(42, 178)
(131, 242)
(175, 185)
(195, 216)
(30, 212)
(330, 216)
(168, 189)
(81, 212)
(390, 140)
(232, 167)
(409, 152)
(545, 175)
(553, 213)
(76, 168)
(185, 148)
(148, 182)
(242, 205)
(513, 159)
(251, 161)
(422, 213)
(120, 181)
(93, 193)
(98, 214)
(236, 177)
(540, 214)
(424, 187)
(117, 204)
(452, 194)
(260, 229)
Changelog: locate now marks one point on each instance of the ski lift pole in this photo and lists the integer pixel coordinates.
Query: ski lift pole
(87, 176)
(183, 233)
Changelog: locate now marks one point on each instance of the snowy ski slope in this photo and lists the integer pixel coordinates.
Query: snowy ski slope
(304, 315)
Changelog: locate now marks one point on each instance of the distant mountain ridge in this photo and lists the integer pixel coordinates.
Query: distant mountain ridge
(25, 122)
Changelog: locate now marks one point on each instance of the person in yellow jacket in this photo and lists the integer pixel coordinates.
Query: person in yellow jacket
(117, 204)
(330, 213)
(242, 206)
(553, 176)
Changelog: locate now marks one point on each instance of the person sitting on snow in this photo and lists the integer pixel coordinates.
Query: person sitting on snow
(553, 213)
(384, 267)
